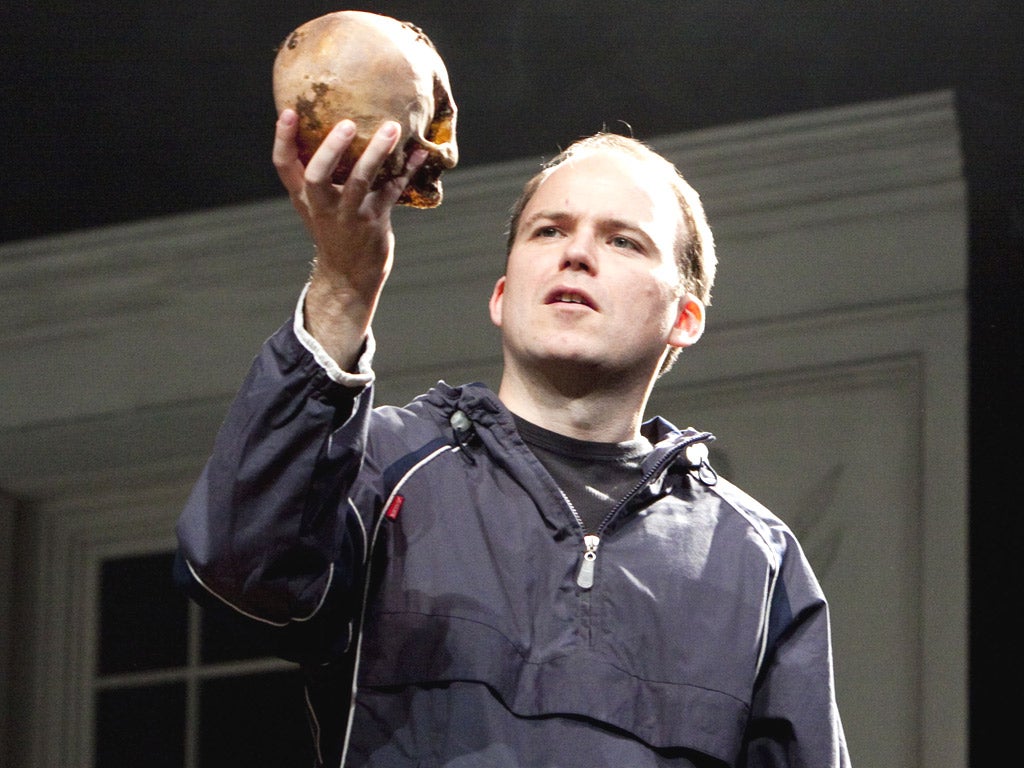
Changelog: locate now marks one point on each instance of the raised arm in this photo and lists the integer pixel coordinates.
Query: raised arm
(265, 530)
(350, 226)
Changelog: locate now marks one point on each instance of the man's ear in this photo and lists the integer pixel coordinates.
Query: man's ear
(495, 304)
(689, 325)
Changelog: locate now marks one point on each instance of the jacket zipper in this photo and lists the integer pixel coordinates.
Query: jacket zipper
(591, 541)
(585, 573)
(585, 576)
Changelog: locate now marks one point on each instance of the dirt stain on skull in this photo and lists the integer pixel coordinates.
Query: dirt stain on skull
(420, 34)
(307, 108)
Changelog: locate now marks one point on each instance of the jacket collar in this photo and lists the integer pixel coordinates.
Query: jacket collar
(494, 426)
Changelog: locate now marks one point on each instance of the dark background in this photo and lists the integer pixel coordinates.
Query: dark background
(117, 111)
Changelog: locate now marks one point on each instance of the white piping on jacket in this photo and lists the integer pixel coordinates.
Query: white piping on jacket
(254, 617)
(366, 592)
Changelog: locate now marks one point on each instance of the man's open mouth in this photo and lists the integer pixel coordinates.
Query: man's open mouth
(563, 296)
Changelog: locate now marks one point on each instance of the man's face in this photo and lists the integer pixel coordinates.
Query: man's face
(591, 280)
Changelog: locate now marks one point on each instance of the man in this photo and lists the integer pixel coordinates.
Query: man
(533, 578)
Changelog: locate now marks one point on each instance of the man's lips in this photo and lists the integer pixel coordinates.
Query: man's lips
(564, 295)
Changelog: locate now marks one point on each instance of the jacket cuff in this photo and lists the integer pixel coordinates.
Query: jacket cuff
(363, 375)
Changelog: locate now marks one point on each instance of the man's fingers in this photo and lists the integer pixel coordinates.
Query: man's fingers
(314, 185)
(412, 164)
(393, 190)
(320, 169)
(370, 162)
(286, 153)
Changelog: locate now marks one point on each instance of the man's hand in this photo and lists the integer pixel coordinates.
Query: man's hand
(350, 225)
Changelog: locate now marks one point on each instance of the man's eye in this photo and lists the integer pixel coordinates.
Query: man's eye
(547, 232)
(624, 242)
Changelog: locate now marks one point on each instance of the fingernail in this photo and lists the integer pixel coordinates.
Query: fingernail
(390, 130)
(346, 128)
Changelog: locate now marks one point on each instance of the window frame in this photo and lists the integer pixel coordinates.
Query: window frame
(73, 537)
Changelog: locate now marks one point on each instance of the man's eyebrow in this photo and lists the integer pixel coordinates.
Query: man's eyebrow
(632, 226)
(629, 227)
(549, 215)
(559, 215)
(611, 224)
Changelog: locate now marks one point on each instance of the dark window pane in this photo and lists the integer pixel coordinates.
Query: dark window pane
(143, 616)
(141, 726)
(257, 721)
(226, 637)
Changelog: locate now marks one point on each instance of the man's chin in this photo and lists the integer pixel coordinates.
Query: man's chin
(581, 365)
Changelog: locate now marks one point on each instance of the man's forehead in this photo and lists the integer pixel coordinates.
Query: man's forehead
(608, 159)
(614, 165)
(620, 184)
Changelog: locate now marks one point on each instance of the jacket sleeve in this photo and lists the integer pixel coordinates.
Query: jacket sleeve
(266, 531)
(794, 721)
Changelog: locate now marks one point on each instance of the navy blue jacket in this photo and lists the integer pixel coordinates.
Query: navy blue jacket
(436, 586)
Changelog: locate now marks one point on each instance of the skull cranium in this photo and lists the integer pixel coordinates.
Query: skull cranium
(370, 68)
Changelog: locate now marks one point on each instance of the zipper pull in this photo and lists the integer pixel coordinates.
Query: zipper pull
(585, 577)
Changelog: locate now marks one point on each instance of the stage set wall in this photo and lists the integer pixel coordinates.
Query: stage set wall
(833, 372)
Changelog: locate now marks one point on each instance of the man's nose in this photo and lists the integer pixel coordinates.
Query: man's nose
(579, 253)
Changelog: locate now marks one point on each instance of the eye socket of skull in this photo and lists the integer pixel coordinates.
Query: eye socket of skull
(442, 128)
(370, 68)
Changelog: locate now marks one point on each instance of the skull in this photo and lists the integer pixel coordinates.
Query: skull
(370, 68)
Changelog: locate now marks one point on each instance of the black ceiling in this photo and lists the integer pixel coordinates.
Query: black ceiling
(115, 111)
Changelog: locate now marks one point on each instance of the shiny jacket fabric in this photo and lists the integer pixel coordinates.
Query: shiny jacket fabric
(425, 553)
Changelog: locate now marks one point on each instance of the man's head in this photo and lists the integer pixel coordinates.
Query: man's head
(692, 244)
(695, 247)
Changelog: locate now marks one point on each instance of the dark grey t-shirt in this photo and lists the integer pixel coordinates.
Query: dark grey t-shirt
(593, 476)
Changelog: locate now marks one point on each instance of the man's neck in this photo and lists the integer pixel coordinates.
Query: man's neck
(585, 408)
